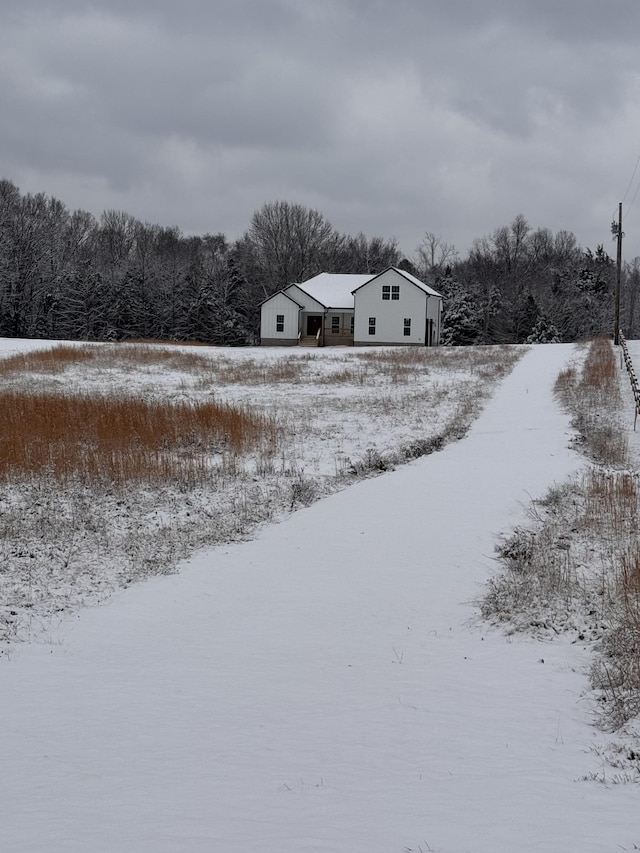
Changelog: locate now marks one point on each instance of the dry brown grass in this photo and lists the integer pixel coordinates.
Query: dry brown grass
(57, 359)
(395, 366)
(578, 568)
(565, 573)
(249, 371)
(145, 354)
(402, 365)
(356, 375)
(162, 342)
(120, 440)
(593, 398)
(611, 502)
(95, 436)
(630, 582)
(597, 376)
(52, 360)
(405, 363)
(565, 381)
(599, 369)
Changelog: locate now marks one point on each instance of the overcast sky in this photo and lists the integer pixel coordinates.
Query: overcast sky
(392, 118)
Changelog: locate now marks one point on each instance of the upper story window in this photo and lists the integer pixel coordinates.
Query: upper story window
(390, 291)
(279, 322)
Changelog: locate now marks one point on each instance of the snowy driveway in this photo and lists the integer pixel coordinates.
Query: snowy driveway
(325, 687)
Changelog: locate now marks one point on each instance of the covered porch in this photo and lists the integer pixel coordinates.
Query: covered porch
(330, 328)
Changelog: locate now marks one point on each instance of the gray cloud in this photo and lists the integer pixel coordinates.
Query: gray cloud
(390, 118)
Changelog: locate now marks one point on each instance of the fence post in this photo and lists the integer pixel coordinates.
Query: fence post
(632, 375)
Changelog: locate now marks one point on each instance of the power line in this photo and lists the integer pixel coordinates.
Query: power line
(633, 174)
(629, 185)
(635, 195)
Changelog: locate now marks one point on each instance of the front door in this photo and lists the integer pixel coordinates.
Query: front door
(314, 324)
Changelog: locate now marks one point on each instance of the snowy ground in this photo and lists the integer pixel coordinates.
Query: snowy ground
(570, 568)
(333, 403)
(340, 414)
(326, 687)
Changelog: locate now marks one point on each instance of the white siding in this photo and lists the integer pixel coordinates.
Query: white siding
(434, 313)
(390, 314)
(279, 305)
(301, 313)
(308, 303)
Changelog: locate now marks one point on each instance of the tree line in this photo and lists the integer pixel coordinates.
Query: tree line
(528, 285)
(69, 275)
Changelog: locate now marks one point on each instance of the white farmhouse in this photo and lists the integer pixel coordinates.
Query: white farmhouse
(389, 308)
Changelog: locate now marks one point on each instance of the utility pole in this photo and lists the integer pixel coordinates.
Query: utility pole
(616, 230)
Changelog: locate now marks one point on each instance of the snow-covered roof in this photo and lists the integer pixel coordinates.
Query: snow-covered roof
(417, 282)
(406, 275)
(281, 293)
(334, 290)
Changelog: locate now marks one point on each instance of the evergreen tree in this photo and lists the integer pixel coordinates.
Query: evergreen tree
(460, 324)
(544, 332)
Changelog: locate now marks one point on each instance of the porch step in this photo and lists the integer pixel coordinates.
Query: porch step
(308, 341)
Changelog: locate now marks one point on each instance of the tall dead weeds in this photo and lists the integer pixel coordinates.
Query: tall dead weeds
(577, 568)
(121, 439)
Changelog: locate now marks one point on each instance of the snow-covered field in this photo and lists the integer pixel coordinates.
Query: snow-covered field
(339, 414)
(327, 686)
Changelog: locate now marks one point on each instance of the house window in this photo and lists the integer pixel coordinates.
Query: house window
(395, 291)
(279, 322)
(335, 325)
(372, 325)
(407, 326)
(386, 292)
(352, 323)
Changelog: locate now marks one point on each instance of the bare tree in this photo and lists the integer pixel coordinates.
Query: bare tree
(510, 245)
(361, 254)
(291, 242)
(434, 255)
(116, 237)
(28, 270)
